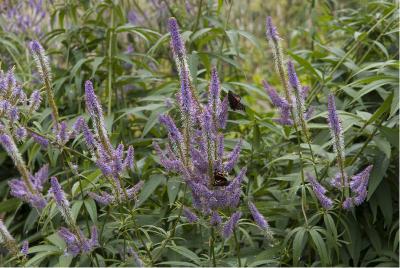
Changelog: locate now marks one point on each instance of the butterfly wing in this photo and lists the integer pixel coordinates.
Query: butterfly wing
(234, 101)
(220, 180)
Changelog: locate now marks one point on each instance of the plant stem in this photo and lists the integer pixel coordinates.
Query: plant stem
(237, 249)
(110, 67)
(212, 244)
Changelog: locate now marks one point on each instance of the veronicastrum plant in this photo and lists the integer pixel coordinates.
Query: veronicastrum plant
(198, 197)
(196, 152)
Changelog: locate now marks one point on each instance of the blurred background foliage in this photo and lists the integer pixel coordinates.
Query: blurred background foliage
(349, 48)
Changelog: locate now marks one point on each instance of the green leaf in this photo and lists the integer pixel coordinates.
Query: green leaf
(299, 241)
(391, 134)
(382, 109)
(9, 204)
(76, 207)
(381, 163)
(91, 208)
(320, 246)
(186, 253)
(149, 187)
(306, 64)
(173, 189)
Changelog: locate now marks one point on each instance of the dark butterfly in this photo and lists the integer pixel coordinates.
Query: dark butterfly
(234, 101)
(219, 179)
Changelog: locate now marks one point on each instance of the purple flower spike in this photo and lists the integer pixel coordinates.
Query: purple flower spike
(277, 100)
(62, 135)
(92, 104)
(36, 47)
(40, 177)
(293, 79)
(128, 162)
(359, 184)
(25, 248)
(258, 218)
(272, 34)
(79, 245)
(13, 114)
(319, 192)
(190, 216)
(20, 133)
(186, 95)
(233, 157)
(215, 219)
(177, 44)
(34, 100)
(94, 241)
(333, 118)
(223, 113)
(230, 225)
(214, 89)
(91, 143)
(104, 198)
(348, 203)
(42, 141)
(58, 193)
(335, 126)
(77, 127)
(285, 117)
(173, 131)
(360, 180)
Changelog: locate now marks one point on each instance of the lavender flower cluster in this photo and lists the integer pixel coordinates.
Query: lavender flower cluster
(24, 16)
(291, 107)
(293, 112)
(13, 102)
(73, 237)
(196, 150)
(111, 161)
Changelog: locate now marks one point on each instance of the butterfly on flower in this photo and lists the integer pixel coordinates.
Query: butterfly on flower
(220, 179)
(234, 101)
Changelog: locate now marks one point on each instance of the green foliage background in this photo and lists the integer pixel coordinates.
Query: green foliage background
(349, 48)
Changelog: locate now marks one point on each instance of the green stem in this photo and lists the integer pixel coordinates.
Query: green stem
(212, 245)
(110, 67)
(237, 249)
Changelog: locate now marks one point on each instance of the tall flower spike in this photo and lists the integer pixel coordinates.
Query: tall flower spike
(215, 219)
(96, 113)
(61, 201)
(293, 79)
(223, 113)
(12, 150)
(190, 216)
(78, 243)
(230, 225)
(335, 126)
(359, 184)
(233, 157)
(42, 64)
(92, 104)
(173, 131)
(319, 192)
(258, 218)
(34, 101)
(42, 141)
(272, 33)
(214, 90)
(280, 103)
(274, 39)
(177, 44)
